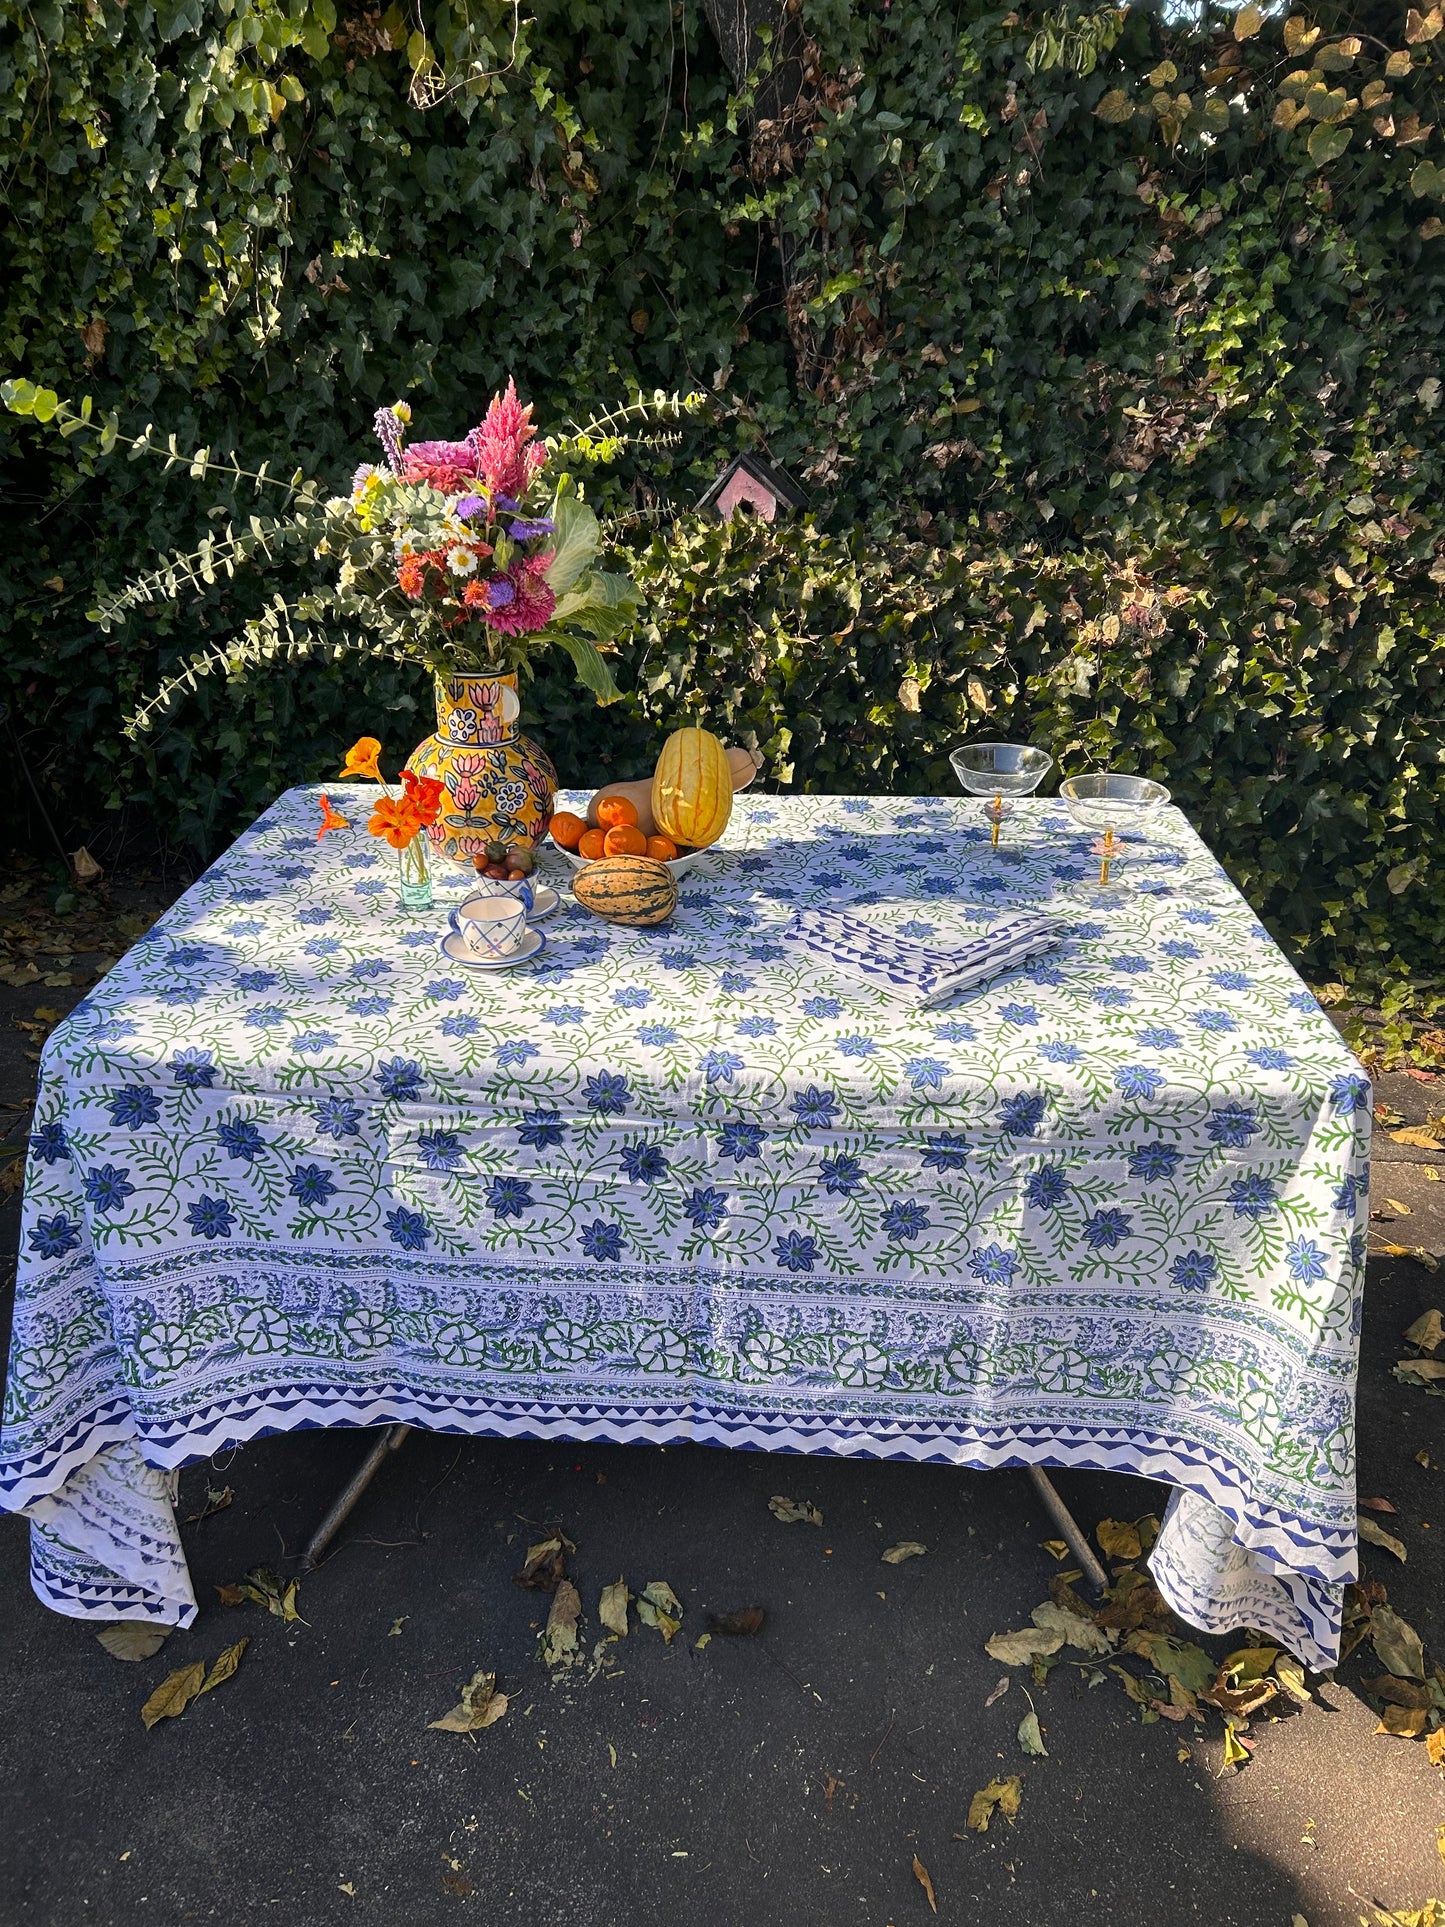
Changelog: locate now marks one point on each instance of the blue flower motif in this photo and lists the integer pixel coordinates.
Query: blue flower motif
(656, 1035)
(607, 1094)
(815, 1109)
(720, 1066)
(930, 845)
(183, 996)
(1137, 1080)
(1267, 1058)
(1086, 932)
(246, 927)
(1131, 965)
(1230, 980)
(926, 1073)
(1215, 1020)
(1347, 1196)
(322, 947)
(828, 879)
(1105, 1229)
(740, 1141)
(1111, 997)
(602, 1241)
(1252, 1197)
(248, 893)
(1157, 1037)
(707, 1207)
(515, 1051)
(1020, 1014)
(264, 1017)
(756, 1027)
(1195, 1271)
(399, 1078)
(134, 1105)
(1350, 1094)
(193, 1070)
(796, 1252)
(1021, 1116)
(369, 968)
(561, 1015)
(854, 1046)
(854, 852)
(1233, 1124)
(373, 887)
(633, 998)
(734, 982)
(1198, 916)
(409, 1229)
(1305, 1260)
(49, 1144)
(210, 1218)
(337, 1117)
(1056, 1052)
(644, 1163)
(765, 952)
(185, 956)
(312, 1184)
(542, 1129)
(946, 1152)
(841, 1174)
(311, 1041)
(822, 1007)
(313, 913)
(440, 1150)
(903, 1222)
(509, 1197)
(993, 1265)
(446, 990)
(416, 940)
(53, 1237)
(1150, 1161)
(240, 1140)
(1357, 1249)
(256, 980)
(1304, 1000)
(1176, 947)
(945, 886)
(459, 1024)
(1047, 1186)
(955, 1031)
(677, 960)
(376, 1005)
(1045, 971)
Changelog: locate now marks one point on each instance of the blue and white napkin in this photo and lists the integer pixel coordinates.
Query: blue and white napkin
(921, 976)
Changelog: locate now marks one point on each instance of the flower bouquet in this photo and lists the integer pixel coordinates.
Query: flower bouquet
(400, 819)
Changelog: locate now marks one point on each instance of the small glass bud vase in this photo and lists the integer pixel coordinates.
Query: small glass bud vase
(416, 889)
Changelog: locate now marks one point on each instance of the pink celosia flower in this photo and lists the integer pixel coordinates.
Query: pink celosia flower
(529, 610)
(501, 444)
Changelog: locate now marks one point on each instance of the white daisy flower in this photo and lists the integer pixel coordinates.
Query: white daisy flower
(462, 562)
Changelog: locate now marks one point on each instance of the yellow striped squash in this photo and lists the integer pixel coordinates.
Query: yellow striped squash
(692, 788)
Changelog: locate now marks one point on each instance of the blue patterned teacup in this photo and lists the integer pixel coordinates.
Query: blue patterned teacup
(491, 923)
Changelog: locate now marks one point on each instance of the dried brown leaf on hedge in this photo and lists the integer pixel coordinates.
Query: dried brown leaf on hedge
(612, 1607)
(794, 1511)
(544, 1567)
(224, 1666)
(1002, 1796)
(480, 1706)
(920, 1874)
(174, 1694)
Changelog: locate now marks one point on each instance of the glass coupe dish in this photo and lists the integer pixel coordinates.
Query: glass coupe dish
(1115, 804)
(1000, 770)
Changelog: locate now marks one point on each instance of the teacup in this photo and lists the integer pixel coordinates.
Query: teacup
(492, 924)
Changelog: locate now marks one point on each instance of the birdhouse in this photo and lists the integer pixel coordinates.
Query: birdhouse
(748, 481)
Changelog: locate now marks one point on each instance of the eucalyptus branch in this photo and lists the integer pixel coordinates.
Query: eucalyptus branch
(606, 435)
(221, 555)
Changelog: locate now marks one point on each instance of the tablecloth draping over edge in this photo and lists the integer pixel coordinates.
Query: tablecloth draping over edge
(290, 1167)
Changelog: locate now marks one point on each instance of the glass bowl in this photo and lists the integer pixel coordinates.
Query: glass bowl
(1000, 769)
(1112, 801)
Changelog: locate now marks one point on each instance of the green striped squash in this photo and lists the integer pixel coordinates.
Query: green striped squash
(627, 889)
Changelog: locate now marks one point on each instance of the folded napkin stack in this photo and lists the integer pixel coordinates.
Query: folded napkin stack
(921, 976)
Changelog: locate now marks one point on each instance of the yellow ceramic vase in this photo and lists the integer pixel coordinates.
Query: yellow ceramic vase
(499, 785)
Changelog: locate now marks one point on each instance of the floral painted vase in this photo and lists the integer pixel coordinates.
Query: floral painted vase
(499, 785)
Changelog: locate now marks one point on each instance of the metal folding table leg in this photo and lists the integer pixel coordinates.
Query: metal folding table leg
(1069, 1526)
(391, 1439)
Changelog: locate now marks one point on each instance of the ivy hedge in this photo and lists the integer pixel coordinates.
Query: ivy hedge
(1108, 347)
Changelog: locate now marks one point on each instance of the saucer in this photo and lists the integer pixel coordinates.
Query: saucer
(531, 943)
(545, 902)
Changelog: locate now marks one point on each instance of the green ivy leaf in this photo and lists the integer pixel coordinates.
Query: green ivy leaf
(1326, 143)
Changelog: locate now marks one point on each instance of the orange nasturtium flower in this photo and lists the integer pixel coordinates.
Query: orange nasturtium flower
(397, 821)
(330, 820)
(424, 794)
(364, 759)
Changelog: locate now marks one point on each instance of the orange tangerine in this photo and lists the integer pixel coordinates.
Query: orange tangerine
(625, 839)
(589, 844)
(662, 848)
(567, 829)
(616, 813)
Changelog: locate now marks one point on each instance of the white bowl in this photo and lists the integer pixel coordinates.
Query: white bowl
(679, 865)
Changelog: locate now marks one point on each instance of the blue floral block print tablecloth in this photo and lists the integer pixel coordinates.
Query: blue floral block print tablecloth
(292, 1167)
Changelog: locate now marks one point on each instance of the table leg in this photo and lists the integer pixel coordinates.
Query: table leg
(1068, 1525)
(391, 1439)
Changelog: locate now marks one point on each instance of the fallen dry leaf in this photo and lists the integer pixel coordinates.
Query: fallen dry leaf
(1031, 1738)
(658, 1605)
(1435, 1746)
(1423, 1140)
(612, 1607)
(543, 1569)
(1118, 1539)
(1021, 1649)
(1004, 1795)
(1056, 1548)
(1404, 1722)
(1377, 1536)
(1082, 1634)
(1378, 1505)
(215, 1502)
(174, 1694)
(1291, 1676)
(794, 1511)
(1427, 1331)
(559, 1639)
(999, 1690)
(920, 1874)
(132, 1639)
(1394, 1208)
(1396, 1644)
(481, 1705)
(224, 1666)
(905, 1549)
(263, 1588)
(1399, 1692)
(738, 1625)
